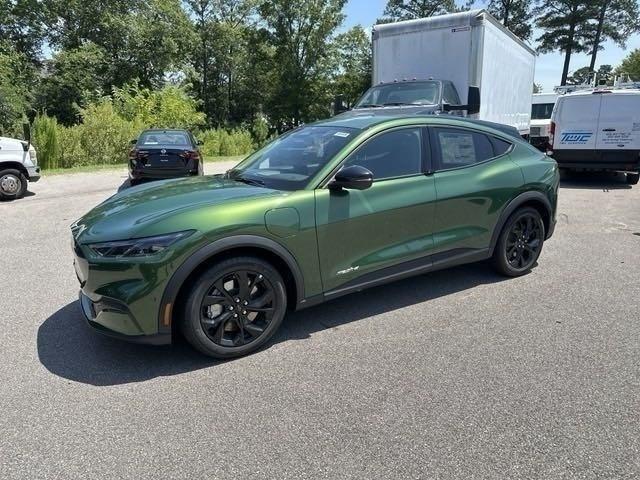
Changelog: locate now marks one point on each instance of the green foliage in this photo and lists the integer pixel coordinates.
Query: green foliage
(353, 58)
(631, 65)
(15, 79)
(565, 25)
(45, 139)
(514, 14)
(220, 142)
(300, 32)
(168, 107)
(73, 78)
(616, 21)
(412, 9)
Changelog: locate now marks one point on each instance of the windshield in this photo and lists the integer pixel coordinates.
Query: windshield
(149, 139)
(541, 111)
(290, 161)
(409, 93)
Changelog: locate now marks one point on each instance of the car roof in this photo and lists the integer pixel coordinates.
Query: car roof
(168, 130)
(365, 120)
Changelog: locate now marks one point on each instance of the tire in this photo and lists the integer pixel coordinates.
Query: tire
(13, 184)
(632, 178)
(215, 297)
(520, 243)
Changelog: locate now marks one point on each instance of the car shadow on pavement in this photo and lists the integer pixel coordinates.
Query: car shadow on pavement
(594, 181)
(67, 347)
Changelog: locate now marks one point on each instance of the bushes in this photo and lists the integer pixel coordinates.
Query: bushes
(108, 125)
(219, 142)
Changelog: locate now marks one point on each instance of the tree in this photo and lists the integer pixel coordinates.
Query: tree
(301, 33)
(617, 20)
(514, 14)
(537, 88)
(566, 28)
(584, 75)
(22, 25)
(411, 9)
(16, 77)
(72, 77)
(353, 58)
(631, 66)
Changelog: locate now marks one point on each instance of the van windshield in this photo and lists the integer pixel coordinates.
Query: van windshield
(405, 93)
(541, 111)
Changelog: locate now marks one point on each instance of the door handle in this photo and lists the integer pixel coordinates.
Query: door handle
(608, 129)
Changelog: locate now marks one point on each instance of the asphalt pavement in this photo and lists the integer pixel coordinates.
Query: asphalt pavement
(456, 374)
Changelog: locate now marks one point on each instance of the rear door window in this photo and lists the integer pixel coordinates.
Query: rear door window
(458, 147)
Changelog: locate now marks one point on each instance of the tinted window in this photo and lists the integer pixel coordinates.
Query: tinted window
(541, 111)
(393, 154)
(460, 148)
(450, 95)
(149, 139)
(500, 147)
(289, 162)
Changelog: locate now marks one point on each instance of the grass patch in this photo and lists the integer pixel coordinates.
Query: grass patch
(123, 166)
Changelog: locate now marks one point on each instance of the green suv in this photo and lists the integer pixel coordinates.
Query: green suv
(324, 210)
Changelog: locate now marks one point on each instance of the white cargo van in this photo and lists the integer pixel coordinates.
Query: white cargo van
(598, 129)
(541, 108)
(462, 63)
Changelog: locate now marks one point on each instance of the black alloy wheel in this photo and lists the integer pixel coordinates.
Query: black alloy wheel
(520, 243)
(235, 307)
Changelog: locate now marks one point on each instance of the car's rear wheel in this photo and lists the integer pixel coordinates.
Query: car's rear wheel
(234, 307)
(13, 184)
(632, 178)
(520, 243)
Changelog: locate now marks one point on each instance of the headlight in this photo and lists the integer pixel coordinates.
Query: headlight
(137, 247)
(33, 157)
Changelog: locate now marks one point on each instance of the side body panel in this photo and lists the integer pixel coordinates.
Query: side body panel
(469, 203)
(363, 231)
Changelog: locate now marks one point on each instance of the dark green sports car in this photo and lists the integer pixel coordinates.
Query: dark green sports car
(327, 209)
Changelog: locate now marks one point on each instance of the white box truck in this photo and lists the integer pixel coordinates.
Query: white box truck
(18, 165)
(598, 129)
(438, 64)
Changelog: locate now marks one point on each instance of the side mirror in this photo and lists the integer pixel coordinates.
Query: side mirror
(26, 132)
(353, 177)
(339, 105)
(473, 103)
(134, 141)
(473, 100)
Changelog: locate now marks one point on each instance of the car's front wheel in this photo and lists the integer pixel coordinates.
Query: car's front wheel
(13, 184)
(520, 243)
(234, 307)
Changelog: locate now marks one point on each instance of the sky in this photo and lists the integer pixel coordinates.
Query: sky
(548, 66)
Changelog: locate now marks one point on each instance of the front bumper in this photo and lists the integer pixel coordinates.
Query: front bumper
(34, 173)
(112, 318)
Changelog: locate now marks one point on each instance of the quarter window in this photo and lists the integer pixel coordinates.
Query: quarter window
(393, 154)
(461, 148)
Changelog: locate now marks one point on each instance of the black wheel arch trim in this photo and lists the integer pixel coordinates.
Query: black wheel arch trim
(214, 248)
(513, 205)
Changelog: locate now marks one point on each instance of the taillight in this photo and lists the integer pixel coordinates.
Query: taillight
(552, 132)
(190, 155)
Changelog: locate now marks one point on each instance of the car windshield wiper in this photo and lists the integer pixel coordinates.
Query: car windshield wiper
(248, 180)
(369, 105)
(399, 104)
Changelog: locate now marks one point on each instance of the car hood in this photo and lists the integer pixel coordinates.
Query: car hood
(132, 210)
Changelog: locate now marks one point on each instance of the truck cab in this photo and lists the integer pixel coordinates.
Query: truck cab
(18, 165)
(413, 97)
